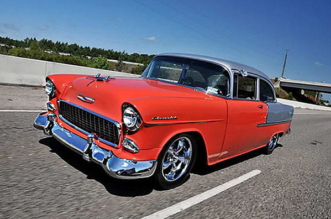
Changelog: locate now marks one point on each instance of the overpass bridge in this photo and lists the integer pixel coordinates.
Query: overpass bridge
(305, 85)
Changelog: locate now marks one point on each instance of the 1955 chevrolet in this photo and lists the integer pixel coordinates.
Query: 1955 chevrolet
(182, 109)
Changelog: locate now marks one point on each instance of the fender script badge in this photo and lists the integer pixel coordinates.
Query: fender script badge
(164, 118)
(85, 98)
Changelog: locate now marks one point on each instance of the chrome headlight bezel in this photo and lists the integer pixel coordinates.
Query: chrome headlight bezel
(50, 88)
(131, 118)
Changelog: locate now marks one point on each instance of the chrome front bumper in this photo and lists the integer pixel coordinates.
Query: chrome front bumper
(114, 166)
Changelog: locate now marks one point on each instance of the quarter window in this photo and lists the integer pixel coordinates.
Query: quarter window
(266, 92)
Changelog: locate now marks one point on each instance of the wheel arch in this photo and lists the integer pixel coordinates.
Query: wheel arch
(201, 158)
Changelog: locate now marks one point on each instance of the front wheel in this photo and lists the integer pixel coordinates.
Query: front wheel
(272, 144)
(176, 161)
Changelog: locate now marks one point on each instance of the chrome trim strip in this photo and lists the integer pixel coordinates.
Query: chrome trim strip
(114, 166)
(180, 123)
(274, 123)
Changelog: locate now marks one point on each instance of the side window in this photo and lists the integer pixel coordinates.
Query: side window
(266, 92)
(245, 87)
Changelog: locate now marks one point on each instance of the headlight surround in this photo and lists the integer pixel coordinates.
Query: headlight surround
(131, 118)
(50, 88)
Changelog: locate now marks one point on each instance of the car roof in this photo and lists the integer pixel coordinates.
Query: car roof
(229, 64)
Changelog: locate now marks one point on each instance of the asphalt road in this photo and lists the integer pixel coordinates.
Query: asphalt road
(39, 178)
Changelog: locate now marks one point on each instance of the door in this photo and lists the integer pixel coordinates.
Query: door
(245, 113)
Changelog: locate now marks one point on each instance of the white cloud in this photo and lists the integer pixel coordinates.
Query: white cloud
(150, 38)
(318, 63)
(10, 26)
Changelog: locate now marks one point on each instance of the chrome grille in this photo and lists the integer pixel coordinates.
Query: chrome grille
(90, 122)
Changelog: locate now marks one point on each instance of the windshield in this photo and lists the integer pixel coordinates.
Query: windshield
(200, 75)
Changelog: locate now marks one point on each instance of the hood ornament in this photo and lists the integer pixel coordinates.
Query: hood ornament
(85, 98)
(99, 78)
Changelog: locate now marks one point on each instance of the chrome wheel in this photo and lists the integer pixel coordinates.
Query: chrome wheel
(272, 144)
(177, 159)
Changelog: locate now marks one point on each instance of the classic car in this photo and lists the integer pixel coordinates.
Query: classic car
(183, 109)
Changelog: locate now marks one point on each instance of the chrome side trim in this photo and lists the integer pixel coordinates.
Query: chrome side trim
(274, 123)
(114, 166)
(180, 123)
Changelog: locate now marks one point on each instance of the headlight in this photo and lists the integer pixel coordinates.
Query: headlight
(131, 118)
(50, 88)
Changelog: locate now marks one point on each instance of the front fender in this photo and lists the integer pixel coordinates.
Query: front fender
(179, 110)
(60, 81)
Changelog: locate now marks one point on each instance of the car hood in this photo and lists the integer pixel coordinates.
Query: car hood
(146, 95)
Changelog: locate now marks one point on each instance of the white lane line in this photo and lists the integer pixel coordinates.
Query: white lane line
(201, 197)
(21, 111)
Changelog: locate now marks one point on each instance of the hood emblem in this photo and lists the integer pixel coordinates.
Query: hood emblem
(85, 98)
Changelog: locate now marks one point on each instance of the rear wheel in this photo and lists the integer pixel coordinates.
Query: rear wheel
(175, 161)
(272, 144)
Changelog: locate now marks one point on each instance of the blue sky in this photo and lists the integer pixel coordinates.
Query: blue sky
(252, 32)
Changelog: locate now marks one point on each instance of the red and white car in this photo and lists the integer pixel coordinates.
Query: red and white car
(182, 109)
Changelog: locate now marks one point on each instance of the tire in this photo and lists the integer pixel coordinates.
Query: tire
(176, 161)
(272, 144)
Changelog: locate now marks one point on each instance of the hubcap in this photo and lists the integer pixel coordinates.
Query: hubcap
(273, 142)
(177, 159)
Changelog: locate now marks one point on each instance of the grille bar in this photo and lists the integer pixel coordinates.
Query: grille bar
(90, 122)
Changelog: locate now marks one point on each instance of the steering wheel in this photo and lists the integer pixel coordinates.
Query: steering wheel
(187, 81)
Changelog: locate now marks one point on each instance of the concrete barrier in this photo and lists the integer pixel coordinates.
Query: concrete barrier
(23, 71)
(301, 105)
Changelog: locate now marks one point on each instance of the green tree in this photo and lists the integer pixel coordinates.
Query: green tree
(100, 62)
